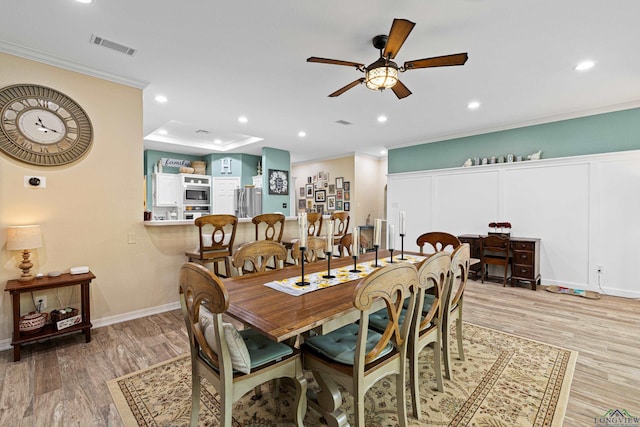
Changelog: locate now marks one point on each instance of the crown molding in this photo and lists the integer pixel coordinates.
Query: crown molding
(39, 56)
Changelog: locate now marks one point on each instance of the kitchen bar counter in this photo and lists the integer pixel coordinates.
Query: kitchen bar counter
(165, 223)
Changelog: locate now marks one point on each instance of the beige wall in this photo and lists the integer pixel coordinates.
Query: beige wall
(89, 207)
(366, 174)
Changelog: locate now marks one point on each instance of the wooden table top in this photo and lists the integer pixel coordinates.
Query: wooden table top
(281, 316)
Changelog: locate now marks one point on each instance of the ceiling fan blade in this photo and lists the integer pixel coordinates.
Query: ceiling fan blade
(438, 61)
(399, 32)
(400, 90)
(347, 87)
(335, 62)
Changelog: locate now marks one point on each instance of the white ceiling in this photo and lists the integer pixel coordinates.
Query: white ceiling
(216, 61)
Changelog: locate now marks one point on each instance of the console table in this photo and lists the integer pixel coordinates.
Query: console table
(16, 288)
(525, 257)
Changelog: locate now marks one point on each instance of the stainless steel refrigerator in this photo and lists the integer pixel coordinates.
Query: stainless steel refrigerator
(248, 202)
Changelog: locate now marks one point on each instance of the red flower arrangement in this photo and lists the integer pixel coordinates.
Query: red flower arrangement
(502, 225)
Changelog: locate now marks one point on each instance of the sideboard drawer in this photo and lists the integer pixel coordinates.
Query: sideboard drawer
(523, 258)
(523, 246)
(523, 272)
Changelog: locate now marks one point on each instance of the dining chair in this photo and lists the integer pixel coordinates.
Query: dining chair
(216, 234)
(438, 241)
(341, 225)
(427, 323)
(428, 320)
(355, 356)
(257, 254)
(269, 226)
(315, 250)
(233, 361)
(314, 227)
(345, 244)
(460, 265)
(494, 250)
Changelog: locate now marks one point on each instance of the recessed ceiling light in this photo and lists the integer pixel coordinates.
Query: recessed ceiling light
(584, 65)
(162, 132)
(382, 119)
(161, 98)
(217, 141)
(473, 105)
(383, 151)
(243, 119)
(302, 134)
(85, 1)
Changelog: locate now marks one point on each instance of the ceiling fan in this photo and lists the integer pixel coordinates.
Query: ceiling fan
(383, 73)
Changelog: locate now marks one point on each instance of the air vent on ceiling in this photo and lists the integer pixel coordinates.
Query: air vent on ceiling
(203, 131)
(343, 122)
(100, 41)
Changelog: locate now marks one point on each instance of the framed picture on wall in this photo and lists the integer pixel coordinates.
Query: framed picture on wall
(339, 194)
(331, 203)
(332, 189)
(309, 205)
(321, 195)
(347, 195)
(302, 192)
(278, 182)
(339, 182)
(338, 205)
(347, 206)
(347, 186)
(319, 208)
(302, 203)
(309, 190)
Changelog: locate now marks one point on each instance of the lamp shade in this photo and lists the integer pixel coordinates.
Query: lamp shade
(21, 237)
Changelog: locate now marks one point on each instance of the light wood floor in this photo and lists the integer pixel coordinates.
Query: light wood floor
(62, 382)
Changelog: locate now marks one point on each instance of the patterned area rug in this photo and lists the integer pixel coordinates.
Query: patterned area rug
(505, 380)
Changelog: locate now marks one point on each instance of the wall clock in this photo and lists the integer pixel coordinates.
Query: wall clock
(42, 126)
(278, 182)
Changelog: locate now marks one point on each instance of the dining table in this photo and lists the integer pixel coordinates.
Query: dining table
(281, 316)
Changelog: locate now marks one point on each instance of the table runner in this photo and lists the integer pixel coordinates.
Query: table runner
(343, 275)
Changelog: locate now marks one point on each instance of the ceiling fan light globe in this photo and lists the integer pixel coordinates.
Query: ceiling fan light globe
(384, 77)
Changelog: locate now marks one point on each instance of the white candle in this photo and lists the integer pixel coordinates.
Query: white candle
(355, 244)
(391, 241)
(302, 222)
(403, 215)
(329, 237)
(377, 230)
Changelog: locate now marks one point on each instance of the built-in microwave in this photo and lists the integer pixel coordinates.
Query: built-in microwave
(196, 195)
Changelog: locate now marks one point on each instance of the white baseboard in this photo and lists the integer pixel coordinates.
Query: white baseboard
(106, 321)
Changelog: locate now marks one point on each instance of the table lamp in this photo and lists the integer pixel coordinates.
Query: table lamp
(24, 238)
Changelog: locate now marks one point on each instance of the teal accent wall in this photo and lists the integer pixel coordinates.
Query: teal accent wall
(243, 165)
(151, 157)
(601, 133)
(279, 160)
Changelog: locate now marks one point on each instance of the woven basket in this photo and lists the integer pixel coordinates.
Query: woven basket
(200, 168)
(186, 170)
(32, 322)
(58, 315)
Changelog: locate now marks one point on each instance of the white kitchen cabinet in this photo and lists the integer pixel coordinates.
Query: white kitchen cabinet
(167, 191)
(257, 181)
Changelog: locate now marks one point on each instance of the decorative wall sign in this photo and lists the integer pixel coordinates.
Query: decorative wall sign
(278, 182)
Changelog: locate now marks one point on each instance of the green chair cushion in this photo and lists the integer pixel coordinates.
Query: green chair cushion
(378, 321)
(428, 302)
(340, 345)
(263, 350)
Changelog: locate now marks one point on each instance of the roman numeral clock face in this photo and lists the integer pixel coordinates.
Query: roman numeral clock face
(42, 126)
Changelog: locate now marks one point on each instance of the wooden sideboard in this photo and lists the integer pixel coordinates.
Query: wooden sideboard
(525, 258)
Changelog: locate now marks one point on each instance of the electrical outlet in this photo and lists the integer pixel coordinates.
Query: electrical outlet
(43, 299)
(600, 269)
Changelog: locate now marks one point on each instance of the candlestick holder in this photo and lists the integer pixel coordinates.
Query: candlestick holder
(328, 275)
(302, 281)
(375, 264)
(402, 247)
(355, 269)
(391, 256)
